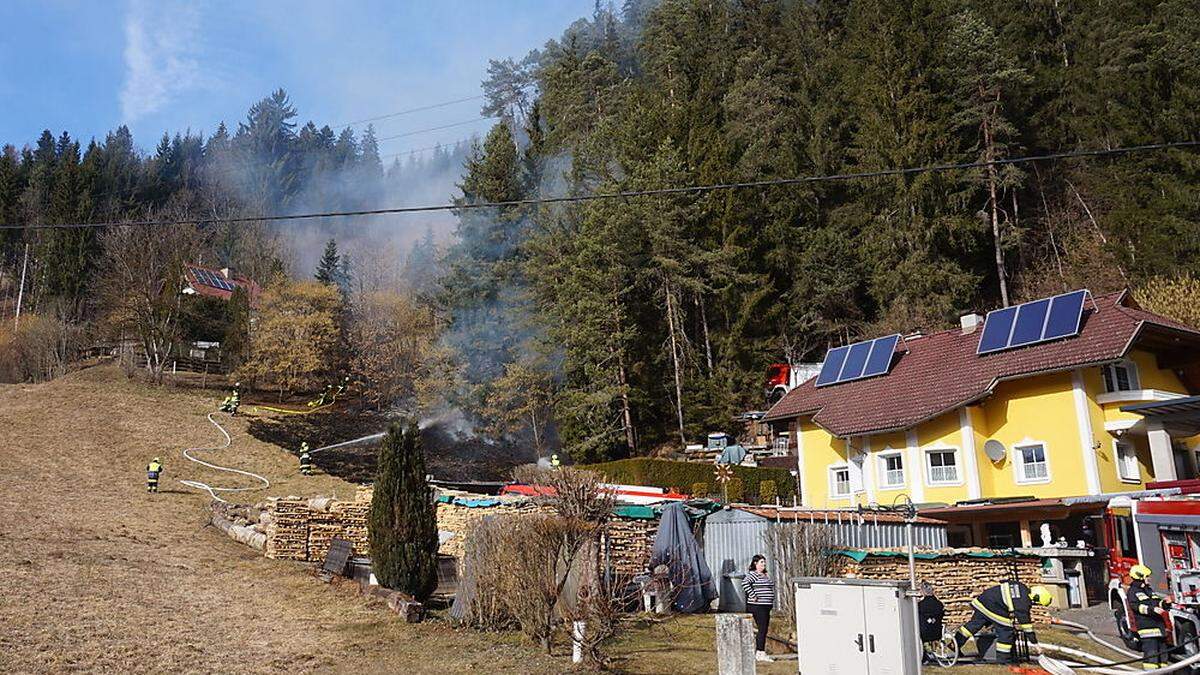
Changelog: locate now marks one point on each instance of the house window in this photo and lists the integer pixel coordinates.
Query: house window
(1127, 462)
(942, 466)
(1031, 463)
(892, 470)
(1121, 376)
(839, 481)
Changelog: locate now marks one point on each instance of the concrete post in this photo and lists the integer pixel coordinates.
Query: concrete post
(735, 644)
(1161, 455)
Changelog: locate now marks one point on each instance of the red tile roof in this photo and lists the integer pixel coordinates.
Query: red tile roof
(941, 372)
(831, 515)
(189, 275)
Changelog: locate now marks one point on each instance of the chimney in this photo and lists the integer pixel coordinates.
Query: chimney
(970, 322)
(228, 273)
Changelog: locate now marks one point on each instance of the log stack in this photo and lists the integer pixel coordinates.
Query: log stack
(287, 529)
(630, 543)
(352, 517)
(956, 577)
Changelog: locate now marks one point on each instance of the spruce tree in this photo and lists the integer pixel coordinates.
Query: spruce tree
(329, 267)
(403, 525)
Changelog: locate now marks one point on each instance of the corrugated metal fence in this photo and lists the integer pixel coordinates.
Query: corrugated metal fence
(732, 537)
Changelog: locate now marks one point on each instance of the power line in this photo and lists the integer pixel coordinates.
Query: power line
(437, 128)
(624, 194)
(431, 106)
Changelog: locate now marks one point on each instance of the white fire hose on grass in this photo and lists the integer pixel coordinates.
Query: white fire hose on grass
(1090, 663)
(216, 467)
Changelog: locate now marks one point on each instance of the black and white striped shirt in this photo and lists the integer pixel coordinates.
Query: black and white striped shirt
(760, 588)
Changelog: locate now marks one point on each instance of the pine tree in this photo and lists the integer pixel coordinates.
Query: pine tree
(329, 267)
(403, 524)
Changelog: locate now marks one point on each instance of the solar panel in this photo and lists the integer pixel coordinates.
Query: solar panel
(212, 279)
(1033, 322)
(857, 361)
(832, 366)
(880, 360)
(1065, 314)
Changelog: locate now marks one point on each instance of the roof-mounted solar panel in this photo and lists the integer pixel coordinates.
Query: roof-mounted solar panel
(1033, 322)
(858, 361)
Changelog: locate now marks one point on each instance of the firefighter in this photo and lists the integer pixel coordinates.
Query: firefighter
(1005, 608)
(153, 469)
(306, 465)
(554, 461)
(323, 399)
(1145, 605)
(231, 403)
(345, 384)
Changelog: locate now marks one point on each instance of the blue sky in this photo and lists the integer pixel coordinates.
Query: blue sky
(165, 65)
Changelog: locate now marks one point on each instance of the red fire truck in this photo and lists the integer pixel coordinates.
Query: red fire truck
(1162, 533)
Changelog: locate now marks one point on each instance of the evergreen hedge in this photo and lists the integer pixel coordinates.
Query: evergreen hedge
(403, 522)
(665, 473)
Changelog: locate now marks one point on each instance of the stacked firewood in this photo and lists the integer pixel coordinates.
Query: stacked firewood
(301, 529)
(955, 576)
(287, 528)
(458, 519)
(352, 518)
(629, 544)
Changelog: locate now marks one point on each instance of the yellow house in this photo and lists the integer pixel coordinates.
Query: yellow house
(1025, 407)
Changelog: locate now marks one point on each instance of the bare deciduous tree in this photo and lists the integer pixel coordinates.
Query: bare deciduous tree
(142, 276)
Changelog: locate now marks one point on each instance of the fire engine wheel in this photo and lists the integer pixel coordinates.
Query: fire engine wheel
(943, 652)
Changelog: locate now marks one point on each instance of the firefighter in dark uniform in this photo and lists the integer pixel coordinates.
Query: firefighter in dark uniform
(345, 384)
(1145, 604)
(153, 469)
(306, 465)
(1005, 608)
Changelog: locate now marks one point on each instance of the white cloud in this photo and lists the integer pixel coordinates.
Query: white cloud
(162, 56)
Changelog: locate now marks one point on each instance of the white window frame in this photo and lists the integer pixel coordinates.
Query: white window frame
(884, 456)
(833, 493)
(1018, 462)
(1137, 477)
(958, 467)
(1109, 374)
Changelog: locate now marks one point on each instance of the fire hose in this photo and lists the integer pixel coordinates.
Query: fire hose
(198, 485)
(1099, 665)
(1095, 638)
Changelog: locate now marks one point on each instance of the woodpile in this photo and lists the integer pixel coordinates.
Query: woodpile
(287, 528)
(302, 529)
(629, 543)
(458, 519)
(956, 577)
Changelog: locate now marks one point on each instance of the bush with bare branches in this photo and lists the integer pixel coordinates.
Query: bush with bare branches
(535, 571)
(800, 550)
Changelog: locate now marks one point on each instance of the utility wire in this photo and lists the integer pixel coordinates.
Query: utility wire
(437, 128)
(431, 106)
(625, 194)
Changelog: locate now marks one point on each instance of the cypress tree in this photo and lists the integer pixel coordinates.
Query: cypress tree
(403, 526)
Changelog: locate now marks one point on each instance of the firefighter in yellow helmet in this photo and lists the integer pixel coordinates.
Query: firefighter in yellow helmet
(1146, 606)
(1005, 608)
(153, 469)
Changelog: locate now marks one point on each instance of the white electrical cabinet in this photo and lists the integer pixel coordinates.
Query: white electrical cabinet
(856, 627)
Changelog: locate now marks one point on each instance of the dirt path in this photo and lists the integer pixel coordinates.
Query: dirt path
(100, 575)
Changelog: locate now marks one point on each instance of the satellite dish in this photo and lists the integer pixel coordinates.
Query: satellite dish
(994, 450)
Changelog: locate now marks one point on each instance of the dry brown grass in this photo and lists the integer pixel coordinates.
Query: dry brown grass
(100, 576)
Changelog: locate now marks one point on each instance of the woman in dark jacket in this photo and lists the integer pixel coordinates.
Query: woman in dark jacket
(760, 598)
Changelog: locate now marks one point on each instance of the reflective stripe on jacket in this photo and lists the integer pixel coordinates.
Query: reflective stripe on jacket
(1002, 602)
